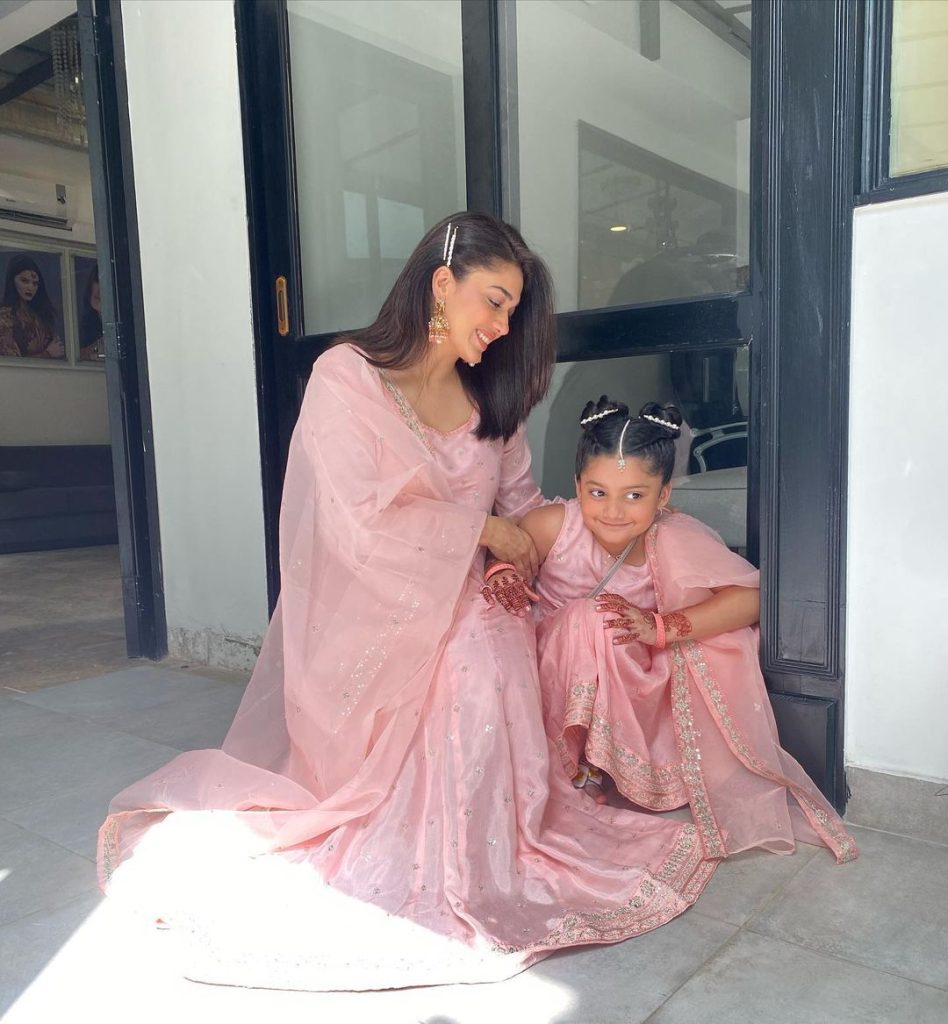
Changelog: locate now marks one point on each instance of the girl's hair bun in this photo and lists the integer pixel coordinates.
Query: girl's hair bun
(596, 412)
(665, 417)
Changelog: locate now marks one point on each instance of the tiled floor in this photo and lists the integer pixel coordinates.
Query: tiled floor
(774, 939)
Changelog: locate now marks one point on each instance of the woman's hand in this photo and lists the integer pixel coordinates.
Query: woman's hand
(508, 543)
(508, 589)
(55, 349)
(635, 623)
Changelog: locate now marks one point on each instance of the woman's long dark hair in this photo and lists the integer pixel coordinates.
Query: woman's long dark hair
(514, 373)
(39, 304)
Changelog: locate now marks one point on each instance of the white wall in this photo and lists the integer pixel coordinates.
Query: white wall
(189, 180)
(897, 555)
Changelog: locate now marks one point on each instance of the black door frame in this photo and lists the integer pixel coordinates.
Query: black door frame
(126, 367)
(801, 212)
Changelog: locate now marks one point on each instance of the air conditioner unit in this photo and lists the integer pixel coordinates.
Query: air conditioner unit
(39, 203)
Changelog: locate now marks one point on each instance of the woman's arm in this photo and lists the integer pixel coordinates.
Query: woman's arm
(728, 608)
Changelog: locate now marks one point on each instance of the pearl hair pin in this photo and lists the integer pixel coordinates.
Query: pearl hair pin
(596, 416)
(663, 423)
(449, 240)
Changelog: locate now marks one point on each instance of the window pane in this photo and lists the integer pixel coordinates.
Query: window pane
(379, 132)
(919, 127)
(711, 390)
(634, 127)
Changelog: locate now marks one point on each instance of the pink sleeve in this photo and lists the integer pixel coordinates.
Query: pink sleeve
(517, 492)
(692, 560)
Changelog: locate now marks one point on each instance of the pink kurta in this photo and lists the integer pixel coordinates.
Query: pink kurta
(383, 812)
(688, 725)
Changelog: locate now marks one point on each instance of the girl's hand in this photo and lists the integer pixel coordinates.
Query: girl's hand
(508, 589)
(635, 623)
(508, 543)
(55, 350)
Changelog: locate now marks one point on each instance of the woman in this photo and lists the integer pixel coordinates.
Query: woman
(90, 319)
(27, 318)
(383, 812)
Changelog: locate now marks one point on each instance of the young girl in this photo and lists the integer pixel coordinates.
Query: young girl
(656, 682)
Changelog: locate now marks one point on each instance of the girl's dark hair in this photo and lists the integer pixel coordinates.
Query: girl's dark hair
(514, 373)
(40, 303)
(644, 439)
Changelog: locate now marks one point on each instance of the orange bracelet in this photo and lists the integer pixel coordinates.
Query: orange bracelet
(496, 568)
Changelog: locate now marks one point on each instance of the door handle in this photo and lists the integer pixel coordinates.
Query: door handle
(282, 307)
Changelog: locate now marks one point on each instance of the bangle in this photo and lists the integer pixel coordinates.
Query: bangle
(496, 568)
(659, 644)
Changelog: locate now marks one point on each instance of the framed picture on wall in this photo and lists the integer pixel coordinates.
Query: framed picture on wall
(85, 278)
(32, 303)
(50, 316)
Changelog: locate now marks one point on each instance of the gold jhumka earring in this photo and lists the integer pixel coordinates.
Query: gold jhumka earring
(438, 326)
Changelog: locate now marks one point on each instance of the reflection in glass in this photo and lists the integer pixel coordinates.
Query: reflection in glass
(711, 388)
(31, 304)
(650, 147)
(919, 89)
(378, 127)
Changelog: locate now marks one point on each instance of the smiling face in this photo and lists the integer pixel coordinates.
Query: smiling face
(27, 284)
(619, 504)
(478, 306)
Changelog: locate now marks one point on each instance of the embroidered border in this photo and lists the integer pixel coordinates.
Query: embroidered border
(657, 787)
(658, 899)
(827, 826)
(408, 413)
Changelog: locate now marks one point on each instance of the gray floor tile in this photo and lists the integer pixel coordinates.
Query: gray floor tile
(756, 980)
(625, 982)
(37, 874)
(46, 754)
(72, 818)
(745, 881)
(28, 945)
(102, 699)
(192, 723)
(890, 803)
(888, 910)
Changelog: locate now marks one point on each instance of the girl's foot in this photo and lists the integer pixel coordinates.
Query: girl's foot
(589, 778)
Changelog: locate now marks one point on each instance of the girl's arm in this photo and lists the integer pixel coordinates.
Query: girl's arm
(728, 608)
(507, 586)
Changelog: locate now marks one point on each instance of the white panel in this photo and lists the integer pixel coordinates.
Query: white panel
(897, 555)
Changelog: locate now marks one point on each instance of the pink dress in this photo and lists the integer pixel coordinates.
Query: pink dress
(386, 810)
(688, 725)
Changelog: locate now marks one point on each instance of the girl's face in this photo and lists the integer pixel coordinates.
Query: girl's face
(619, 504)
(478, 307)
(27, 284)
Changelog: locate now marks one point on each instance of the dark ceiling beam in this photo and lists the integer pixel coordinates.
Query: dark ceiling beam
(26, 80)
(719, 21)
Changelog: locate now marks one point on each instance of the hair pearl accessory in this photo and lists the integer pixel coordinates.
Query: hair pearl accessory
(621, 459)
(449, 240)
(662, 423)
(596, 416)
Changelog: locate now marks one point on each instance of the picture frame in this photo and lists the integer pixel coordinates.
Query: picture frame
(63, 331)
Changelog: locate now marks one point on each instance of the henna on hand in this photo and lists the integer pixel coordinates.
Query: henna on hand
(509, 590)
(677, 625)
(613, 603)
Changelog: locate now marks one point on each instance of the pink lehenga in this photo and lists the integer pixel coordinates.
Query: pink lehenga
(385, 810)
(689, 725)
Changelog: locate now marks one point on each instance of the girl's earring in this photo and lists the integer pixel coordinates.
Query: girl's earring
(661, 511)
(438, 326)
